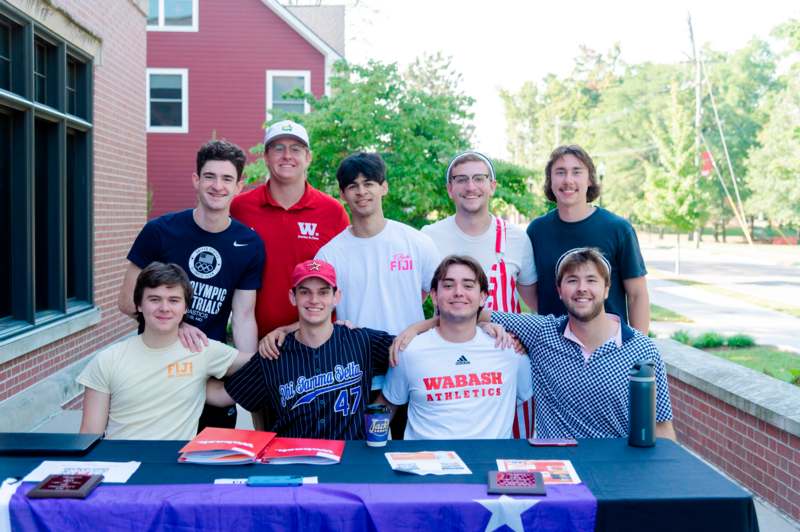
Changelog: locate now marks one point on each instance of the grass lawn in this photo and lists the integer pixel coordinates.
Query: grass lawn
(762, 358)
(664, 314)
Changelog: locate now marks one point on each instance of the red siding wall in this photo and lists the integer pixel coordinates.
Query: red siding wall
(119, 184)
(762, 457)
(238, 41)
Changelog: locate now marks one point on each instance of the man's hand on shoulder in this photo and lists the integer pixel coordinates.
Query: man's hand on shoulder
(192, 338)
(502, 338)
(402, 340)
(270, 346)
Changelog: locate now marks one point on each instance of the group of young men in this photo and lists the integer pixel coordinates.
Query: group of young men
(281, 258)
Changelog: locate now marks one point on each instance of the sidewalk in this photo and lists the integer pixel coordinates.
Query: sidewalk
(765, 272)
(743, 288)
(723, 314)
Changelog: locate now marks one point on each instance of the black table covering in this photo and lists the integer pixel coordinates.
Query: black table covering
(652, 489)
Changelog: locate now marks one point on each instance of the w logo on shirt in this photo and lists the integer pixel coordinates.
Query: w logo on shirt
(462, 360)
(308, 231)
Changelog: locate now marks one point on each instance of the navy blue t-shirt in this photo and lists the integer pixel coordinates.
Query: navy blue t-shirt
(217, 264)
(315, 392)
(613, 235)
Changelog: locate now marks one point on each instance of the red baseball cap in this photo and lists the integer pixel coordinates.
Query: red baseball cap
(313, 268)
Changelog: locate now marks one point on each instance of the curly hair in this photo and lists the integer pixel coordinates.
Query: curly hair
(221, 150)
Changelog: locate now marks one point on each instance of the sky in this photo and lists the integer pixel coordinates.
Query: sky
(503, 43)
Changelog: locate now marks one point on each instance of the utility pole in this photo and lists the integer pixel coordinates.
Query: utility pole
(697, 97)
(700, 74)
(697, 114)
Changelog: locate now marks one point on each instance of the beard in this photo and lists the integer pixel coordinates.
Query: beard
(584, 315)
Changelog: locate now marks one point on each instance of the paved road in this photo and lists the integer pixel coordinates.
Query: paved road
(770, 273)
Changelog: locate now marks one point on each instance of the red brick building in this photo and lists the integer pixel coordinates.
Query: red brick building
(216, 68)
(73, 191)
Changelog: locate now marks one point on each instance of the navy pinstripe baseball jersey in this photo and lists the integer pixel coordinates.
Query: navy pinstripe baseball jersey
(315, 392)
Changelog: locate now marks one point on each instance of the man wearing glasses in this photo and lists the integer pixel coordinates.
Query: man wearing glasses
(503, 250)
(293, 218)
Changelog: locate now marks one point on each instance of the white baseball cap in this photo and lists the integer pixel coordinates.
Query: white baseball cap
(286, 128)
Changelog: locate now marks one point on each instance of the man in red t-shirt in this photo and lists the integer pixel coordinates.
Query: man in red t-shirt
(292, 218)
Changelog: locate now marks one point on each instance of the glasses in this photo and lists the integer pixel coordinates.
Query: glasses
(294, 149)
(478, 179)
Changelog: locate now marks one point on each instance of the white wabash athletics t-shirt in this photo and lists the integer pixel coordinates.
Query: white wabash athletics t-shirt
(462, 390)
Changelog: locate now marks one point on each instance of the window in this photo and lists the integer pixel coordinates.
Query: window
(172, 15)
(5, 56)
(283, 82)
(167, 100)
(45, 177)
(5, 213)
(45, 77)
(72, 86)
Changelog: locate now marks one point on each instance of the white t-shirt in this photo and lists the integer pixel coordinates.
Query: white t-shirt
(156, 394)
(382, 277)
(458, 390)
(451, 240)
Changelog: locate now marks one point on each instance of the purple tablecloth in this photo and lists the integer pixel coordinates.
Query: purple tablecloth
(335, 507)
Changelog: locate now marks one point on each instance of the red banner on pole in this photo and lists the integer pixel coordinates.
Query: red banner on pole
(706, 164)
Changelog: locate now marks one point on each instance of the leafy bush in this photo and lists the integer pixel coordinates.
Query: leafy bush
(708, 340)
(740, 340)
(681, 336)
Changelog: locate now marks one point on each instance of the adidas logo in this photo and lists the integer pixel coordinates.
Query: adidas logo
(462, 360)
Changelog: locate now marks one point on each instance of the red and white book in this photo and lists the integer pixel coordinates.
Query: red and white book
(303, 451)
(216, 445)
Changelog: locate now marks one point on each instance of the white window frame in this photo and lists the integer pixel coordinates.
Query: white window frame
(271, 74)
(184, 73)
(162, 26)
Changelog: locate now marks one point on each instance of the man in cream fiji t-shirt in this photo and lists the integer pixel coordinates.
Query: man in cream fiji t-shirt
(150, 386)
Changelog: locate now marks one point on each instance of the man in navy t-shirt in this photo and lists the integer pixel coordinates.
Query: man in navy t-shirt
(222, 257)
(571, 182)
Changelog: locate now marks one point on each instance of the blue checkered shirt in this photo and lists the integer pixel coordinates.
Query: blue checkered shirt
(578, 398)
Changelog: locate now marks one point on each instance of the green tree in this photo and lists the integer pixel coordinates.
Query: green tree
(621, 139)
(417, 120)
(741, 81)
(518, 188)
(558, 110)
(773, 164)
(673, 188)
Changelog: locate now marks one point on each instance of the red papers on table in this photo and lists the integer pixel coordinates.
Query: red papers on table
(216, 445)
(236, 446)
(303, 451)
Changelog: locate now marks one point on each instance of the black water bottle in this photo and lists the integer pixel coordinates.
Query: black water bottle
(642, 405)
